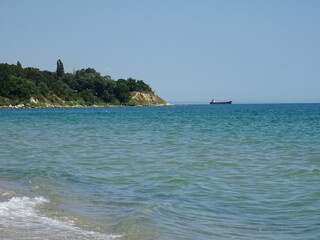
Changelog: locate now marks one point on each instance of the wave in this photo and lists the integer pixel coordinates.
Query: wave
(21, 218)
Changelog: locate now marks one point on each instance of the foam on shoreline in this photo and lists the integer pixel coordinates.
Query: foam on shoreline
(22, 218)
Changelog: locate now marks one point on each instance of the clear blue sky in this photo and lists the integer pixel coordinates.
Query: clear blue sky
(248, 51)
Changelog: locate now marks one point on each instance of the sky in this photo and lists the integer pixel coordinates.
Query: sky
(188, 51)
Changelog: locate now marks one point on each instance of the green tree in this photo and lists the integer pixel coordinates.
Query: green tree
(88, 97)
(21, 88)
(60, 69)
(86, 86)
(122, 91)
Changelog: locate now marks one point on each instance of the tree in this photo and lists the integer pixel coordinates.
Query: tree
(60, 69)
(122, 91)
(21, 88)
(86, 86)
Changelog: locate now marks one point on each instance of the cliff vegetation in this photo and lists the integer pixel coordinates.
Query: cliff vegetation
(31, 87)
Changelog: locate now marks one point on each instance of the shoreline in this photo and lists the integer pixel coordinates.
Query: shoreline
(22, 106)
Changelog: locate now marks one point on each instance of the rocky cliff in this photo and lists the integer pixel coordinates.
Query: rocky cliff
(148, 99)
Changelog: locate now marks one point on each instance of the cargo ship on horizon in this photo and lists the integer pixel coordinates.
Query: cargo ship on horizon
(214, 102)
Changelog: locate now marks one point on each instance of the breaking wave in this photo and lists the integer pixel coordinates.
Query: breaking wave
(21, 218)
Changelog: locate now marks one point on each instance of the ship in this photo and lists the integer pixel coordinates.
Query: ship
(214, 102)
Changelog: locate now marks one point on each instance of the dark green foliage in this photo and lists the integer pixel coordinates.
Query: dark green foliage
(88, 97)
(21, 88)
(60, 68)
(85, 86)
(122, 91)
(138, 86)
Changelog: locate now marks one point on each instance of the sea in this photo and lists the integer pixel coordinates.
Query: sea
(239, 171)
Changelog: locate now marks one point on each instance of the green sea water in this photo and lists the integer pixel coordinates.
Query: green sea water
(183, 172)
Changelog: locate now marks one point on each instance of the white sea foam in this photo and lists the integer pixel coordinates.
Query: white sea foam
(20, 219)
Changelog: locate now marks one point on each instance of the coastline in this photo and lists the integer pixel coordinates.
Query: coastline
(22, 106)
(138, 99)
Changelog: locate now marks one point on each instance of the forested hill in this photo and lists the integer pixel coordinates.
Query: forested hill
(31, 87)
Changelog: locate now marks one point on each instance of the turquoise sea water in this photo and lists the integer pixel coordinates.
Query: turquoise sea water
(183, 172)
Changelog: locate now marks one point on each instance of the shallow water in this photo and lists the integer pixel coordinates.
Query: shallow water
(185, 172)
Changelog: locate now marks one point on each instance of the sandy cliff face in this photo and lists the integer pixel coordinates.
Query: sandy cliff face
(140, 98)
(148, 99)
